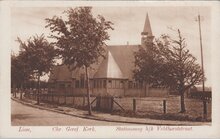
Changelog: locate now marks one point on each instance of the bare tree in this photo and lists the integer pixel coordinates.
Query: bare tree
(168, 62)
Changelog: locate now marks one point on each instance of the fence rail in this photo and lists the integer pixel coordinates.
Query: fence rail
(194, 107)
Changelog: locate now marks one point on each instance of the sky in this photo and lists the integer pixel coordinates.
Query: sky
(128, 25)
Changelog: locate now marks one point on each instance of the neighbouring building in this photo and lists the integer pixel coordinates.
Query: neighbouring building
(111, 76)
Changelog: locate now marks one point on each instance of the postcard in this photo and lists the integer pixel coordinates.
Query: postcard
(109, 69)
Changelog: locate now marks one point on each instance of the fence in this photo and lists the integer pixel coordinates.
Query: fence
(147, 105)
(61, 99)
(171, 105)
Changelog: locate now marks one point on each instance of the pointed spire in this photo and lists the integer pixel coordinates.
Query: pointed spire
(147, 27)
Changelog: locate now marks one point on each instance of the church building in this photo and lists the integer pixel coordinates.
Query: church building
(111, 76)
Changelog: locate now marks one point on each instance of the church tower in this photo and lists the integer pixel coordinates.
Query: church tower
(147, 36)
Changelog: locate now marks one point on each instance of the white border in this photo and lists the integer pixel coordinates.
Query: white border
(6, 130)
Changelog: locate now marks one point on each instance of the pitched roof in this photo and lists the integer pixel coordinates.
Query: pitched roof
(147, 27)
(119, 64)
(124, 57)
(60, 73)
(109, 68)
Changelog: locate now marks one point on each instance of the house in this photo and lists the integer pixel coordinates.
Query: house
(198, 93)
(110, 76)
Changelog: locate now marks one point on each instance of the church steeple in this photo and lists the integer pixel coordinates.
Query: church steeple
(147, 35)
(147, 27)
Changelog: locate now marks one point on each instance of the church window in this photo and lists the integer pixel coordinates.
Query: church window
(113, 83)
(109, 84)
(117, 82)
(121, 84)
(100, 83)
(97, 83)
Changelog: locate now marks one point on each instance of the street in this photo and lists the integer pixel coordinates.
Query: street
(22, 115)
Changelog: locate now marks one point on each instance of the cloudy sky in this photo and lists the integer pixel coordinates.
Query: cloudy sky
(128, 25)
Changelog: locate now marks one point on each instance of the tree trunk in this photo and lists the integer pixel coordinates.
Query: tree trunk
(38, 90)
(21, 91)
(183, 109)
(14, 90)
(88, 91)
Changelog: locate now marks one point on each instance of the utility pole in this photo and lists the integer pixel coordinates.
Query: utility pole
(200, 34)
(203, 76)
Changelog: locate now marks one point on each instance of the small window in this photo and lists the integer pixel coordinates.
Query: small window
(113, 83)
(109, 84)
(121, 84)
(97, 83)
(117, 84)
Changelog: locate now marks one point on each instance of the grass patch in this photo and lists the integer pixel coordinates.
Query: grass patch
(160, 116)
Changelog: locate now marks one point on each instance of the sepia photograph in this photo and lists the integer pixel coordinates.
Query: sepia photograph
(138, 68)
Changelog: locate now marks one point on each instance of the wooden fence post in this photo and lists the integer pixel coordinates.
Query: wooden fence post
(164, 107)
(112, 102)
(134, 105)
(204, 109)
(98, 102)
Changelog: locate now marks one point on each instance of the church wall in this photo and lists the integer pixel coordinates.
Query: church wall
(134, 89)
(126, 91)
(115, 92)
(99, 91)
